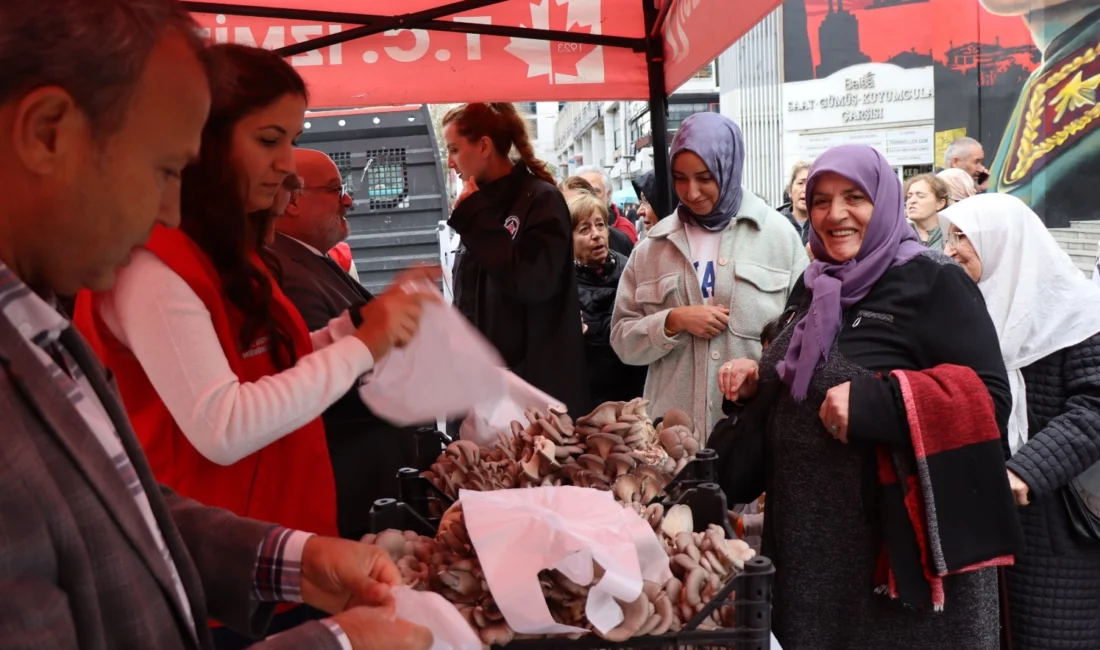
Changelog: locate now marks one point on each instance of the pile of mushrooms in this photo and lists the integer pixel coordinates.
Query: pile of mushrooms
(701, 562)
(616, 447)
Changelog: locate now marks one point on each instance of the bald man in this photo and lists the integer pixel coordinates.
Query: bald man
(366, 451)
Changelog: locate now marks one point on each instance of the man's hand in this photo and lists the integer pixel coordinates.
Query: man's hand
(370, 629)
(338, 574)
(1019, 488)
(834, 411)
(393, 318)
(738, 379)
(704, 321)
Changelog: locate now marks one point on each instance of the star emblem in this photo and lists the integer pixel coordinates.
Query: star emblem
(1077, 93)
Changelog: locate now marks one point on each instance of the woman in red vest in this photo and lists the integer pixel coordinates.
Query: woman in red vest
(222, 380)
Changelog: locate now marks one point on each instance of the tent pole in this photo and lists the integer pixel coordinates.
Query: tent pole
(658, 110)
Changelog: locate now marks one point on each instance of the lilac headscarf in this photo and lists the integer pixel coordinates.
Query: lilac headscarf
(888, 241)
(717, 140)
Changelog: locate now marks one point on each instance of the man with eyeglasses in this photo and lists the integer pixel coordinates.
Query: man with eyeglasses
(366, 451)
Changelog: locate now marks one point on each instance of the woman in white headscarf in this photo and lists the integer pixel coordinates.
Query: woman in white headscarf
(1047, 316)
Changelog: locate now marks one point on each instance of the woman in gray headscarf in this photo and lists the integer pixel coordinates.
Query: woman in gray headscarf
(701, 287)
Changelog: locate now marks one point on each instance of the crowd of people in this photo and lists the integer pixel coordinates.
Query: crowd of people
(911, 374)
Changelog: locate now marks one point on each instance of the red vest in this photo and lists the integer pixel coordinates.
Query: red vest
(290, 481)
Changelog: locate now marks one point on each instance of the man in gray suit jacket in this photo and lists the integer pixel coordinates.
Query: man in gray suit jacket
(101, 106)
(366, 450)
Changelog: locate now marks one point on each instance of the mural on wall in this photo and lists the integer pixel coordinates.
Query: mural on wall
(982, 62)
(821, 37)
(1049, 149)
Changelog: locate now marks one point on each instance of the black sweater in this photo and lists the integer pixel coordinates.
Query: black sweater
(919, 315)
(609, 378)
(514, 281)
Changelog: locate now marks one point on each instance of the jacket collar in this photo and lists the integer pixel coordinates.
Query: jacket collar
(25, 316)
(752, 209)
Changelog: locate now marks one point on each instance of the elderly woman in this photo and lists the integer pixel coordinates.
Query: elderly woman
(598, 272)
(1048, 318)
(834, 410)
(960, 185)
(925, 196)
(700, 288)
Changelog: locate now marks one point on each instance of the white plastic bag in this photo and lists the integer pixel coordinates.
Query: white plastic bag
(428, 609)
(517, 533)
(489, 417)
(443, 372)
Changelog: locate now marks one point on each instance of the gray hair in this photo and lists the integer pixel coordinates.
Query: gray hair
(592, 169)
(96, 50)
(957, 148)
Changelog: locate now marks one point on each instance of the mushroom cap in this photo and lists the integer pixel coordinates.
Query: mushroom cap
(635, 614)
(604, 414)
(603, 443)
(551, 431)
(625, 488)
(592, 463)
(677, 520)
(617, 427)
(621, 463)
(676, 417)
(530, 468)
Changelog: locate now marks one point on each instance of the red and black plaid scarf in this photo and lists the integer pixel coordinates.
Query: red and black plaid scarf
(947, 508)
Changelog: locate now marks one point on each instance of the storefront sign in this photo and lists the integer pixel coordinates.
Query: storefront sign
(870, 93)
(907, 146)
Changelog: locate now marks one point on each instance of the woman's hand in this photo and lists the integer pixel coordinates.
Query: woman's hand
(738, 379)
(468, 188)
(1019, 488)
(834, 411)
(704, 321)
(392, 319)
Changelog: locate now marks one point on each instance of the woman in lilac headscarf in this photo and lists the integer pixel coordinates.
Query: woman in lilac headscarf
(701, 286)
(821, 403)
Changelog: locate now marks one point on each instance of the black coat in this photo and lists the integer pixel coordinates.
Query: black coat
(514, 281)
(366, 451)
(1054, 588)
(609, 378)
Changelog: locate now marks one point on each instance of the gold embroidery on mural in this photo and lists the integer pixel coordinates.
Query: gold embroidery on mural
(1027, 154)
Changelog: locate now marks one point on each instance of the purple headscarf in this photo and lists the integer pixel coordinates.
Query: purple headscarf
(717, 140)
(888, 241)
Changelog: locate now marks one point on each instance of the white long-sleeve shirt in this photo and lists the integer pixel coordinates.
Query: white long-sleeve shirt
(154, 313)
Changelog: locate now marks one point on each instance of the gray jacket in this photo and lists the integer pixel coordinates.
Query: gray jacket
(759, 260)
(78, 565)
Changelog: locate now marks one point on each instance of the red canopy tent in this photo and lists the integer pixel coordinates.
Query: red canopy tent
(356, 53)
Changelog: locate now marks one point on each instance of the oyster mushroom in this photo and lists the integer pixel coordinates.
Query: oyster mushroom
(606, 413)
(465, 450)
(550, 431)
(620, 463)
(625, 488)
(592, 463)
(603, 443)
(548, 450)
(678, 519)
(676, 417)
(635, 614)
(392, 542)
(496, 634)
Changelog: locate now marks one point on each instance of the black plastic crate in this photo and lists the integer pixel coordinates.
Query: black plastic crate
(749, 593)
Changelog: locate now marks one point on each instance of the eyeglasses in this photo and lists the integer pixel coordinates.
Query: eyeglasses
(338, 191)
(954, 237)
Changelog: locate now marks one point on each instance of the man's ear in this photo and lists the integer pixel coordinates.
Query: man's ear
(48, 130)
(292, 208)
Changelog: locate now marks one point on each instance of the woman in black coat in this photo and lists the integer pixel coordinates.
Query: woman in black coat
(514, 275)
(1047, 316)
(598, 272)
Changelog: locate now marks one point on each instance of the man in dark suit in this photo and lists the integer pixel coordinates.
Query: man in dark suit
(366, 450)
(102, 105)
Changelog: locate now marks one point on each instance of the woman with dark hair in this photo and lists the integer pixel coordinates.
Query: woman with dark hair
(221, 379)
(876, 423)
(514, 276)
